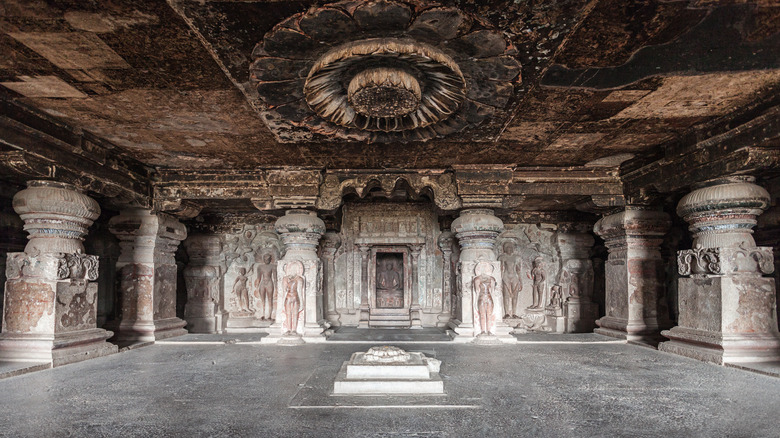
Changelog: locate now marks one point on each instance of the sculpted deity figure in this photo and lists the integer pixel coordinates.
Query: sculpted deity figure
(538, 276)
(264, 285)
(483, 285)
(389, 284)
(555, 300)
(293, 286)
(240, 290)
(510, 277)
(388, 277)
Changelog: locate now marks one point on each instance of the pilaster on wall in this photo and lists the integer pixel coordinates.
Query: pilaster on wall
(203, 278)
(634, 271)
(579, 310)
(727, 301)
(147, 268)
(50, 312)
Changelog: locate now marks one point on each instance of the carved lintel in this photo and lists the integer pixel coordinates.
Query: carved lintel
(182, 209)
(25, 165)
(334, 187)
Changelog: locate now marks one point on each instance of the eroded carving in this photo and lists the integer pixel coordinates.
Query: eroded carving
(511, 285)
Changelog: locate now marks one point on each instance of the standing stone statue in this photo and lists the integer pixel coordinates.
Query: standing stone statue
(293, 287)
(510, 277)
(538, 276)
(264, 285)
(483, 285)
(241, 292)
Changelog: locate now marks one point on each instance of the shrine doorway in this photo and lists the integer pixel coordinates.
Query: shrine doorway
(389, 287)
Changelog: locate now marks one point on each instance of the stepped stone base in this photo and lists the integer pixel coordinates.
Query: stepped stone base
(389, 370)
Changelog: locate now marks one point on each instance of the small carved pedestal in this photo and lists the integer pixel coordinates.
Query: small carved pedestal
(299, 314)
(148, 275)
(727, 306)
(389, 371)
(50, 312)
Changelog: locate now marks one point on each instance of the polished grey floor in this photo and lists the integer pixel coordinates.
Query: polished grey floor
(549, 386)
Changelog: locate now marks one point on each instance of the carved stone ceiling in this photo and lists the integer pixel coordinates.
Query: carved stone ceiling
(169, 83)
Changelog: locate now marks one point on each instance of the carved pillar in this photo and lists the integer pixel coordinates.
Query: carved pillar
(634, 274)
(445, 241)
(148, 273)
(12, 239)
(414, 309)
(727, 304)
(299, 277)
(50, 310)
(364, 308)
(330, 244)
(477, 230)
(203, 279)
(580, 311)
(768, 234)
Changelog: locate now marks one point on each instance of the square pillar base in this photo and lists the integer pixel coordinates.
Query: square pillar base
(58, 349)
(149, 331)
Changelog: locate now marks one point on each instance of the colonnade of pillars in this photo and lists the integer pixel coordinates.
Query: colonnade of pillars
(727, 305)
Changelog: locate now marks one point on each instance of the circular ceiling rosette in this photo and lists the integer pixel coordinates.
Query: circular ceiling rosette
(382, 71)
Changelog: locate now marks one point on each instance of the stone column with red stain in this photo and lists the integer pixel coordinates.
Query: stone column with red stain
(300, 231)
(477, 230)
(634, 273)
(726, 297)
(50, 312)
(148, 274)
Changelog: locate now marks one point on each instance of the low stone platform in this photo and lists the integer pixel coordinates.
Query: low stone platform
(353, 334)
(389, 370)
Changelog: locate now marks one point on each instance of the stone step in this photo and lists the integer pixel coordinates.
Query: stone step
(389, 323)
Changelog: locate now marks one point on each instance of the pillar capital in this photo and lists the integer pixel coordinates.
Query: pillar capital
(477, 230)
(635, 222)
(301, 231)
(57, 216)
(722, 212)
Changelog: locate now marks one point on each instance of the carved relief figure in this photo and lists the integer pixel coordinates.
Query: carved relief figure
(483, 285)
(555, 299)
(264, 285)
(293, 286)
(240, 290)
(510, 277)
(539, 277)
(389, 283)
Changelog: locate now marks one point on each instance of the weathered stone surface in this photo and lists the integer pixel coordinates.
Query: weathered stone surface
(727, 307)
(50, 311)
(148, 275)
(635, 307)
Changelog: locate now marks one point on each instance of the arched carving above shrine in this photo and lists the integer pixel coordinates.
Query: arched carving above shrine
(442, 186)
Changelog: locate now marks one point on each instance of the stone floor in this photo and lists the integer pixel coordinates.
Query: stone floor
(199, 385)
